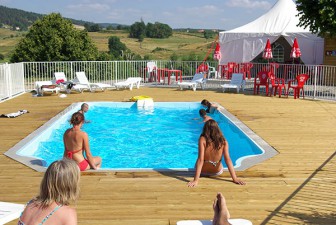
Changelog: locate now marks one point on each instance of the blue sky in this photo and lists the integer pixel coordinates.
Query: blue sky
(215, 14)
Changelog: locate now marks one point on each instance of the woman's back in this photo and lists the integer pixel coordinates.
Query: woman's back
(74, 140)
(213, 154)
(53, 214)
(212, 157)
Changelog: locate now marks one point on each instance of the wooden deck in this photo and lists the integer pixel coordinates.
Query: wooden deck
(295, 187)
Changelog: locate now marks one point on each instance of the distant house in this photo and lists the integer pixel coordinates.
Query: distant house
(79, 27)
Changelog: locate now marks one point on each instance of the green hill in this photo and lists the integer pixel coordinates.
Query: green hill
(183, 44)
(16, 18)
(187, 44)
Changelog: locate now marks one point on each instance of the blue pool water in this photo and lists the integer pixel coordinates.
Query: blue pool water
(127, 137)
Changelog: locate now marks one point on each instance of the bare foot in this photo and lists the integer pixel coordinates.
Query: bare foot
(216, 212)
(224, 213)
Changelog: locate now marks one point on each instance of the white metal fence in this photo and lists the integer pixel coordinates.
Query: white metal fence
(20, 77)
(12, 80)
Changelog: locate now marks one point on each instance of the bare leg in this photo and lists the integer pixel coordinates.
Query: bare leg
(97, 161)
(221, 212)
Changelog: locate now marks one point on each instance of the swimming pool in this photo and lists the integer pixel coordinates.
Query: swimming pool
(131, 138)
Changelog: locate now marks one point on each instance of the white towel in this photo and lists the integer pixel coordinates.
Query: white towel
(209, 222)
(15, 114)
(9, 211)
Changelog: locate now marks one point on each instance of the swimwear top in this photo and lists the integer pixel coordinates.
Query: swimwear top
(45, 218)
(69, 154)
(212, 162)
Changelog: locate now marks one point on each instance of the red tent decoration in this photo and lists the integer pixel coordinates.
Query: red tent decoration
(267, 54)
(295, 52)
(217, 54)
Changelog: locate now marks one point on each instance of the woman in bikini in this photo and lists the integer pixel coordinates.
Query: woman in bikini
(212, 146)
(59, 188)
(76, 143)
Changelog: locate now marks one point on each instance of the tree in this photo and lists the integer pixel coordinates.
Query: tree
(141, 39)
(318, 15)
(54, 38)
(116, 47)
(137, 29)
(158, 30)
(208, 34)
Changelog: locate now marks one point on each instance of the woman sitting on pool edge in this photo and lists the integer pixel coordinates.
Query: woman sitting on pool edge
(76, 143)
(211, 147)
(210, 107)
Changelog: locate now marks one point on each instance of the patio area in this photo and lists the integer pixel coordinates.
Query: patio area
(294, 187)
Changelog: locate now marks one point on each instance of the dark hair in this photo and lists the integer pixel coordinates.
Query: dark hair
(202, 112)
(84, 105)
(213, 135)
(77, 118)
(206, 103)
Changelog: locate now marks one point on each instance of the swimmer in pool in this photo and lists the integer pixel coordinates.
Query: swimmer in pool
(83, 110)
(210, 107)
(212, 146)
(204, 115)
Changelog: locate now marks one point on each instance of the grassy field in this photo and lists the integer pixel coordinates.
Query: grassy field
(191, 46)
(8, 41)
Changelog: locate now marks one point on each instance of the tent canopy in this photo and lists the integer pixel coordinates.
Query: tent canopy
(244, 43)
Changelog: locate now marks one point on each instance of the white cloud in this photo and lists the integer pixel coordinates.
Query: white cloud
(249, 4)
(90, 7)
(128, 16)
(199, 11)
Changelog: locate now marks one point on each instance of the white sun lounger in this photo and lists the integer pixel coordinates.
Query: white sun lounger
(209, 222)
(198, 79)
(83, 83)
(41, 86)
(129, 83)
(236, 82)
(10, 211)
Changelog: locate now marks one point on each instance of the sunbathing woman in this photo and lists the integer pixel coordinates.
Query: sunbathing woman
(212, 146)
(76, 143)
(59, 187)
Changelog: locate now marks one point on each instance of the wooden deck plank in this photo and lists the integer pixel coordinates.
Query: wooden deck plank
(290, 188)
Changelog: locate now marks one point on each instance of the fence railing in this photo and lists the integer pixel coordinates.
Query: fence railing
(12, 80)
(20, 77)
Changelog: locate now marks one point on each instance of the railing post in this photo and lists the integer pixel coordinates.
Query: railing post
(115, 72)
(8, 80)
(315, 81)
(71, 70)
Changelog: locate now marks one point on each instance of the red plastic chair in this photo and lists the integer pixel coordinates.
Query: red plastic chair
(261, 80)
(246, 70)
(223, 71)
(230, 69)
(297, 85)
(277, 84)
(202, 68)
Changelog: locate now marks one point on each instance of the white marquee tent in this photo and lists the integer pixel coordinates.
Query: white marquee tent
(244, 43)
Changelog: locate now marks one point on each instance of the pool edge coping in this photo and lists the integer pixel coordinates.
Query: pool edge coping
(39, 164)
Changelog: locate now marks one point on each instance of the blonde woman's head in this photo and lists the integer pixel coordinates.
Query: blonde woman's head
(60, 183)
